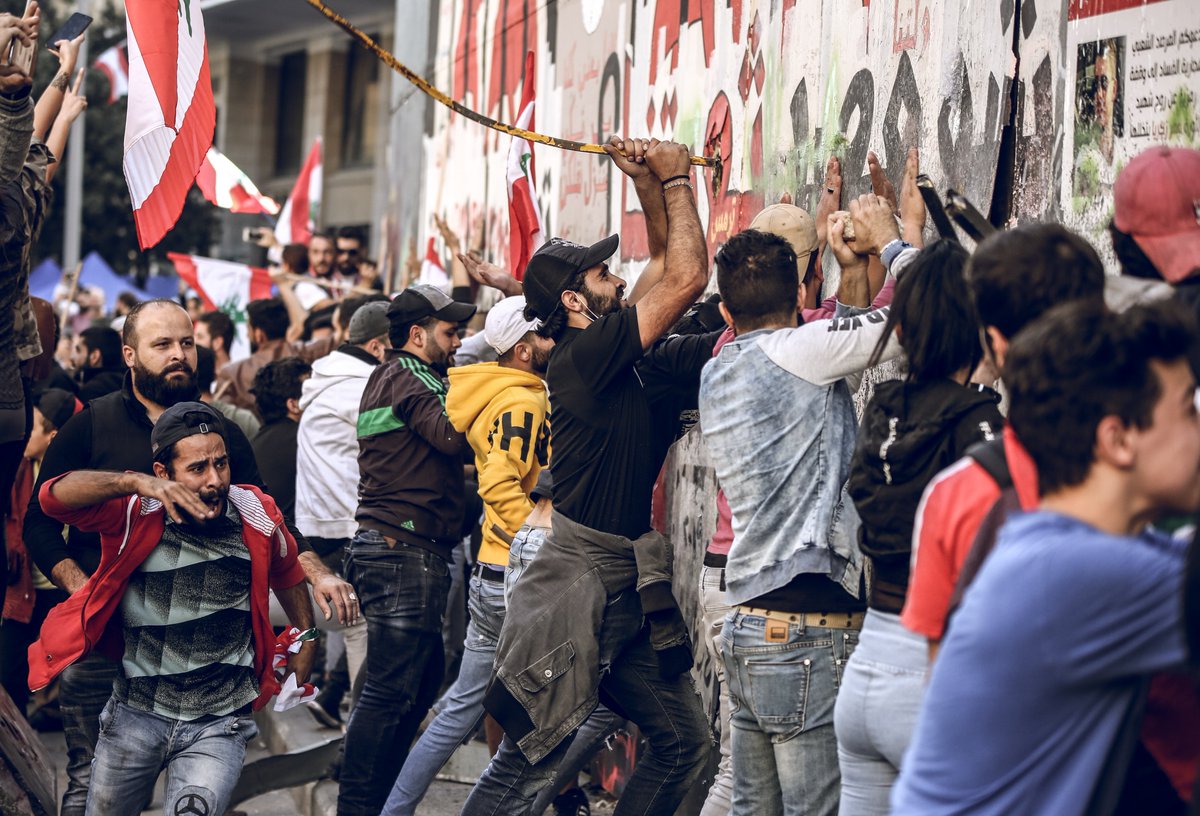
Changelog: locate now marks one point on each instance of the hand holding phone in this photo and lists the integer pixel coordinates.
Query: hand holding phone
(65, 42)
(23, 55)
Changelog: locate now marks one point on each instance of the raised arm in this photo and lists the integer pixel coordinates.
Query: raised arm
(74, 104)
(48, 104)
(629, 155)
(686, 267)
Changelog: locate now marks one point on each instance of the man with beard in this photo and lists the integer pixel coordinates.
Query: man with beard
(501, 407)
(410, 518)
(114, 434)
(96, 356)
(576, 630)
(189, 560)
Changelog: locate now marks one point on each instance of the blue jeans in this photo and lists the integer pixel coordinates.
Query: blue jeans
(203, 760)
(402, 592)
(876, 712)
(84, 688)
(524, 547)
(461, 707)
(783, 693)
(712, 601)
(667, 712)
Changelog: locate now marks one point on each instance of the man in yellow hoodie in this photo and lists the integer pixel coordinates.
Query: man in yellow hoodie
(501, 407)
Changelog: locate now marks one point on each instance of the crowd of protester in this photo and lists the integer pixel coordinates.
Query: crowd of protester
(970, 595)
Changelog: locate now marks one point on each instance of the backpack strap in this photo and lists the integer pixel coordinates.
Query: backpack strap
(990, 456)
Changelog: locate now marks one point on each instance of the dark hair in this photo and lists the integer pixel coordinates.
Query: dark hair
(1020, 274)
(325, 235)
(219, 325)
(939, 330)
(398, 332)
(319, 319)
(555, 325)
(275, 384)
(129, 330)
(128, 299)
(353, 234)
(270, 316)
(295, 258)
(104, 340)
(1131, 257)
(758, 279)
(347, 307)
(206, 369)
(1081, 363)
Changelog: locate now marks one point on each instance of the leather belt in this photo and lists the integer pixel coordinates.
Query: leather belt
(489, 573)
(824, 620)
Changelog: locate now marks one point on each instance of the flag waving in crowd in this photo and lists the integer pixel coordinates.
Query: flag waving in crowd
(525, 219)
(224, 184)
(298, 220)
(171, 117)
(114, 64)
(226, 286)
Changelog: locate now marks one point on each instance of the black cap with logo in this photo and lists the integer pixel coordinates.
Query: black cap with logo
(421, 301)
(552, 267)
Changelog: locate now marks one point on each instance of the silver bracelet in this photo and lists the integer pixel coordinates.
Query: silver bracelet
(670, 185)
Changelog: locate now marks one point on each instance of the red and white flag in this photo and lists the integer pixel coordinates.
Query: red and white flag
(432, 270)
(226, 286)
(526, 232)
(171, 116)
(115, 65)
(298, 220)
(225, 185)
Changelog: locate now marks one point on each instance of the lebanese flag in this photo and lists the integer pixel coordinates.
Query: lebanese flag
(226, 286)
(298, 220)
(228, 187)
(171, 116)
(115, 65)
(526, 231)
(432, 270)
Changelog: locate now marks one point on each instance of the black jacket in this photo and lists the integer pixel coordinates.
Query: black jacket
(112, 433)
(910, 431)
(96, 382)
(410, 458)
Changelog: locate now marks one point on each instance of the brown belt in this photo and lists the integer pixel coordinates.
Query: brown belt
(825, 620)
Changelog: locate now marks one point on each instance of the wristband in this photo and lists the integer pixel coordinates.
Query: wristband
(687, 176)
(893, 248)
(678, 181)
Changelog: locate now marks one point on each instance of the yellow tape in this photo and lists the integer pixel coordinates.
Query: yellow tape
(402, 69)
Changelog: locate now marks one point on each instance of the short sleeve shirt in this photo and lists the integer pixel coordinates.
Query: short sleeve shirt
(615, 409)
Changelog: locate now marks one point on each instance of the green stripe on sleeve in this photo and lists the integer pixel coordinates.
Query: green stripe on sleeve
(377, 421)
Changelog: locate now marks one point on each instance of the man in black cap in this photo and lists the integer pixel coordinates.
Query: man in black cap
(113, 433)
(410, 514)
(576, 631)
(189, 560)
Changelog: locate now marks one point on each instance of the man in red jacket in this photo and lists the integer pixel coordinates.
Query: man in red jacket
(187, 560)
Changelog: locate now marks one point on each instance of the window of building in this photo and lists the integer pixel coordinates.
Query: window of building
(289, 118)
(362, 100)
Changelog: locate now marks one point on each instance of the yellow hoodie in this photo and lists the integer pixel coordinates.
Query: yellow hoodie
(503, 413)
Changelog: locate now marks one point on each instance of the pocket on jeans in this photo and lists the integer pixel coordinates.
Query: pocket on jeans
(108, 716)
(779, 692)
(244, 727)
(844, 644)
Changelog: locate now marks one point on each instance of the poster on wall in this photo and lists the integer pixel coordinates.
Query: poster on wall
(1133, 77)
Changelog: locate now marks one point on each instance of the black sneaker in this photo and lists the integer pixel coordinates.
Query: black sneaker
(329, 719)
(572, 803)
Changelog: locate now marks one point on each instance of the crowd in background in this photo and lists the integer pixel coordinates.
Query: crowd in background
(968, 596)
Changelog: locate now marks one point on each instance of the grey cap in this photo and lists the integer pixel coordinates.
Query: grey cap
(369, 321)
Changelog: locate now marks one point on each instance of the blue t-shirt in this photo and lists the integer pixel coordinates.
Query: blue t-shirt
(1040, 664)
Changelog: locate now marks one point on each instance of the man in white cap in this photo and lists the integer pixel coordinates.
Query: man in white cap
(501, 407)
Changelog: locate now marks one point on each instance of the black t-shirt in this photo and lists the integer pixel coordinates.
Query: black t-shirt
(614, 412)
(275, 451)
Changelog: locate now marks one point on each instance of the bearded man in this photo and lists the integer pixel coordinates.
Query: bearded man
(113, 433)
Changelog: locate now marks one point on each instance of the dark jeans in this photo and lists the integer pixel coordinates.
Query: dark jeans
(83, 690)
(667, 712)
(402, 592)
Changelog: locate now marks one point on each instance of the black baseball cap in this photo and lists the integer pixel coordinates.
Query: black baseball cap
(57, 406)
(553, 266)
(182, 420)
(421, 301)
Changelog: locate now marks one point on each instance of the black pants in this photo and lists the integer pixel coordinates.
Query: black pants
(15, 638)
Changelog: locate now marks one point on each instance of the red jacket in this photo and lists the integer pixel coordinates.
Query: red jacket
(130, 528)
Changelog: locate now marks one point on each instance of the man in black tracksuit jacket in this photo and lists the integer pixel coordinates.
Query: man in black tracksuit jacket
(113, 433)
(410, 516)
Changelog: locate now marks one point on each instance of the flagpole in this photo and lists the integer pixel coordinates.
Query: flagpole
(73, 210)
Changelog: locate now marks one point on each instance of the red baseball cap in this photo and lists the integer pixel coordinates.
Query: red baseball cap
(1157, 201)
